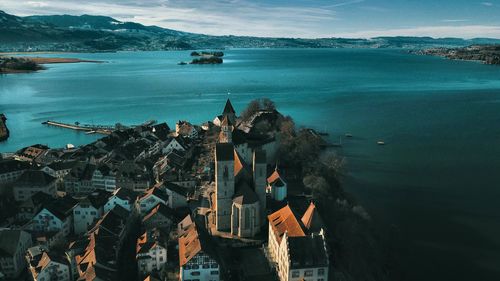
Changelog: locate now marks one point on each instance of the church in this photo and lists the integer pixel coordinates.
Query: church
(240, 187)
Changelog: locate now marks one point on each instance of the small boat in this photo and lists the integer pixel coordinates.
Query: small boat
(90, 132)
(348, 135)
(182, 63)
(381, 143)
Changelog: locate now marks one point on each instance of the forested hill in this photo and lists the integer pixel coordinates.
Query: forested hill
(100, 33)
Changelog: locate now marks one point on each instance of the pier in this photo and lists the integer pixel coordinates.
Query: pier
(89, 129)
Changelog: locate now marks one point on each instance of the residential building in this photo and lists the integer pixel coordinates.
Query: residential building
(55, 217)
(11, 169)
(122, 197)
(177, 195)
(104, 178)
(33, 181)
(46, 266)
(88, 210)
(196, 257)
(151, 252)
(160, 216)
(79, 179)
(13, 245)
(297, 253)
(150, 199)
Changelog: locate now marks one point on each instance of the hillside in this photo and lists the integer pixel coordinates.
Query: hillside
(100, 33)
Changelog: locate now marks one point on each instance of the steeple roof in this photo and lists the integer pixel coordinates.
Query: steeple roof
(228, 109)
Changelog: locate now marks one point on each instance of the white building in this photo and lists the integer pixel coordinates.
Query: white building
(11, 169)
(45, 266)
(151, 252)
(104, 178)
(87, 211)
(196, 259)
(296, 254)
(150, 199)
(55, 217)
(13, 245)
(177, 195)
(31, 182)
(176, 143)
(122, 197)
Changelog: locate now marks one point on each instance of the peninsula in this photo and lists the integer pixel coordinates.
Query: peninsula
(226, 199)
(4, 131)
(31, 64)
(487, 54)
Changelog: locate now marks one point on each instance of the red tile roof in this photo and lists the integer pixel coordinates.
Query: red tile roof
(284, 220)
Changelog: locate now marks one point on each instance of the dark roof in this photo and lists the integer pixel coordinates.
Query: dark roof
(9, 239)
(161, 131)
(125, 194)
(82, 171)
(62, 165)
(244, 194)
(307, 251)
(224, 152)
(260, 156)
(163, 210)
(228, 109)
(62, 207)
(156, 192)
(11, 165)
(178, 189)
(35, 178)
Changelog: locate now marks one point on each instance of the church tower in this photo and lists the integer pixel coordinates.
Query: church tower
(260, 180)
(229, 112)
(224, 185)
(226, 131)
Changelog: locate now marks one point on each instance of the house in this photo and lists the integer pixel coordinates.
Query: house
(151, 252)
(133, 176)
(150, 199)
(177, 143)
(98, 257)
(11, 169)
(79, 179)
(186, 129)
(13, 245)
(177, 195)
(59, 169)
(44, 265)
(30, 207)
(160, 216)
(31, 153)
(297, 252)
(33, 181)
(104, 178)
(88, 210)
(55, 217)
(196, 257)
(122, 197)
(276, 186)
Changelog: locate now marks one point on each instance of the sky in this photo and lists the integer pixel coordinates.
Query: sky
(290, 18)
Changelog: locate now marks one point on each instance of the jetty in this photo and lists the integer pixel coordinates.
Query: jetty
(88, 128)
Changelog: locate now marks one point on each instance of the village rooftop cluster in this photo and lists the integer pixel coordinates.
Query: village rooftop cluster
(208, 202)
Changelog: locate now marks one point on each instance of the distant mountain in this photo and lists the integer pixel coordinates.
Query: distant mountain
(89, 33)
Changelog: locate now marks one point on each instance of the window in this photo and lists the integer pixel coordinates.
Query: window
(321, 272)
(214, 265)
(214, 272)
(308, 273)
(206, 266)
(195, 273)
(77, 212)
(295, 274)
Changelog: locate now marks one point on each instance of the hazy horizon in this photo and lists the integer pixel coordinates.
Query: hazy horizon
(292, 19)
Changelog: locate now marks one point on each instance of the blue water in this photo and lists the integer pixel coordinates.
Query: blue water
(437, 180)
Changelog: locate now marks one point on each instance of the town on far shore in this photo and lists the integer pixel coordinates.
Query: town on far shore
(196, 202)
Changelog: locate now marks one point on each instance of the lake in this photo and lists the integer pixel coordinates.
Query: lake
(437, 179)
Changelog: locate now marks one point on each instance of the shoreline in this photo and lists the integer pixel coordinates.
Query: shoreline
(40, 61)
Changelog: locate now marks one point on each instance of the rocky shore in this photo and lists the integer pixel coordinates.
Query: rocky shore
(4, 131)
(487, 54)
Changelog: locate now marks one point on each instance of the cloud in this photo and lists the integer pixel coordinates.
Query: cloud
(455, 20)
(467, 32)
(217, 17)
